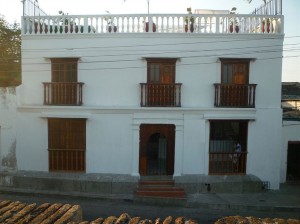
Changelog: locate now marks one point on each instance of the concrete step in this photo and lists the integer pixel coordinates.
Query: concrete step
(157, 183)
(161, 193)
(159, 187)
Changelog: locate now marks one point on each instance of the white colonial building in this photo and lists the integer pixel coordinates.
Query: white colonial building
(191, 96)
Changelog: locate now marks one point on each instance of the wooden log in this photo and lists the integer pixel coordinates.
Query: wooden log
(74, 214)
(26, 210)
(8, 207)
(26, 219)
(9, 213)
(134, 220)
(97, 221)
(45, 214)
(124, 218)
(57, 214)
(4, 203)
(110, 220)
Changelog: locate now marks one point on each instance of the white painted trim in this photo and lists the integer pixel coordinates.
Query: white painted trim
(64, 115)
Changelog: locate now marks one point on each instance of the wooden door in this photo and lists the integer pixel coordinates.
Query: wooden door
(240, 73)
(166, 143)
(167, 73)
(161, 71)
(235, 79)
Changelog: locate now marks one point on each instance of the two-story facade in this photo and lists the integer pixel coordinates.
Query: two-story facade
(116, 96)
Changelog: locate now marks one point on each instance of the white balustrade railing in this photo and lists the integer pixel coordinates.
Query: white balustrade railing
(155, 23)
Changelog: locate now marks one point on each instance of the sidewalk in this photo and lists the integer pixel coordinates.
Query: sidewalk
(285, 199)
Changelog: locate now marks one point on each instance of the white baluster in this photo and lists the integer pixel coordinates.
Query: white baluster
(217, 26)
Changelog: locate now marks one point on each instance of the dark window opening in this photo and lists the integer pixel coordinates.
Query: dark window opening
(228, 147)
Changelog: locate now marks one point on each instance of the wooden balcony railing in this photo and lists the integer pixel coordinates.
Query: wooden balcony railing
(63, 93)
(227, 163)
(72, 160)
(235, 95)
(160, 95)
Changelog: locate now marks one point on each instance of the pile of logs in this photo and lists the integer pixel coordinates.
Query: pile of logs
(20, 213)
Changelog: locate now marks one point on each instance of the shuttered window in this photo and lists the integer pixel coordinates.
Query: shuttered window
(235, 71)
(64, 69)
(67, 144)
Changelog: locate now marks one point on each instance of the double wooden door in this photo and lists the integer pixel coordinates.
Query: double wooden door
(157, 149)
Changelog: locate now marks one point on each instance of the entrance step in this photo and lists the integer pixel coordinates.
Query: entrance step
(160, 189)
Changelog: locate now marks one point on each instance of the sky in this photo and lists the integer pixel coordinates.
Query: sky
(12, 11)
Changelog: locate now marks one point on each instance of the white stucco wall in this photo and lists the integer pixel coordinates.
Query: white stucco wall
(264, 146)
(8, 106)
(112, 68)
(290, 133)
(104, 66)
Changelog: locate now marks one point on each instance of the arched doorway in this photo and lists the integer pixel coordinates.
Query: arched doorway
(157, 149)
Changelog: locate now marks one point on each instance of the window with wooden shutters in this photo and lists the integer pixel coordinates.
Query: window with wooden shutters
(67, 144)
(161, 89)
(64, 69)
(64, 88)
(234, 89)
(161, 71)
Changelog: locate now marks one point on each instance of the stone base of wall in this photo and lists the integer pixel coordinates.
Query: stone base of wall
(71, 183)
(194, 184)
(110, 184)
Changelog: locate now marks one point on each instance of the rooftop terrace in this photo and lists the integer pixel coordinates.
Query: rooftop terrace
(188, 24)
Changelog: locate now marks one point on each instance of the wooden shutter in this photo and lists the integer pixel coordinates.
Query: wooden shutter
(67, 144)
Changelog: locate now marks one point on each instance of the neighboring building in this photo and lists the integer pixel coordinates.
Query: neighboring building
(8, 132)
(290, 96)
(290, 168)
(110, 95)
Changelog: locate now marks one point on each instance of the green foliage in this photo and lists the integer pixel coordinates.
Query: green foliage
(10, 53)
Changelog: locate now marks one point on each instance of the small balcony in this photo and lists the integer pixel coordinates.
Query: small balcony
(160, 95)
(235, 95)
(63, 93)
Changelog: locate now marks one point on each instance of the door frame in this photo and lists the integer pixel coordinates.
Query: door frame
(146, 131)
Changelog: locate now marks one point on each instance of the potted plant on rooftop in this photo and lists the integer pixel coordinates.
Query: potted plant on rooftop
(233, 22)
(263, 24)
(153, 27)
(66, 22)
(189, 21)
(110, 23)
(265, 21)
